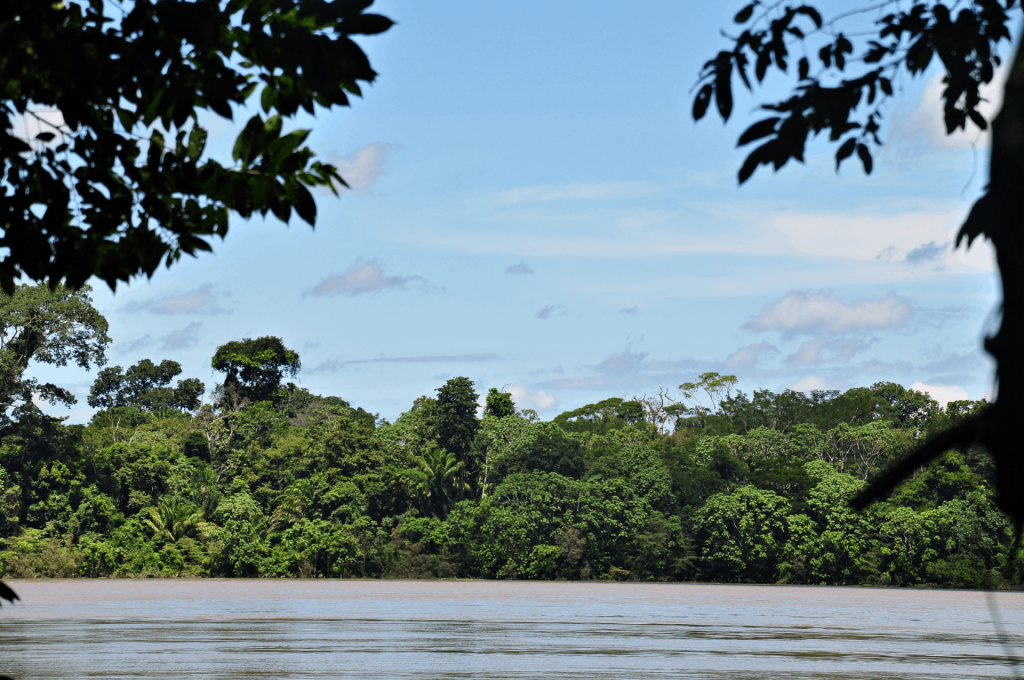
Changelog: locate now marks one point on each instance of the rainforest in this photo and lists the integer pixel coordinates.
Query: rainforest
(254, 476)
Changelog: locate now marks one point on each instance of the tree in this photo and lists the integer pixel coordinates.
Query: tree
(437, 479)
(116, 181)
(255, 368)
(47, 326)
(905, 40)
(456, 419)
(145, 386)
(173, 519)
(499, 404)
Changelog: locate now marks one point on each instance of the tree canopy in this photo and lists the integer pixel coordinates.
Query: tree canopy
(117, 181)
(47, 326)
(256, 367)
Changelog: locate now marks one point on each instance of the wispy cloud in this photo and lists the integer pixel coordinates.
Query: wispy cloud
(801, 312)
(521, 268)
(335, 365)
(626, 362)
(632, 311)
(361, 169)
(928, 253)
(185, 338)
(201, 300)
(821, 350)
(363, 276)
(747, 357)
(545, 312)
(579, 191)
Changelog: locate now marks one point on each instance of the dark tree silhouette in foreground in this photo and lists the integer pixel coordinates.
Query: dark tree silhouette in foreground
(115, 181)
(841, 91)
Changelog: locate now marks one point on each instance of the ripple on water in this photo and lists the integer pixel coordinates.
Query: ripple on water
(485, 629)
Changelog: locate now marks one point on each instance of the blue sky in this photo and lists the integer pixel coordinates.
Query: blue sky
(534, 208)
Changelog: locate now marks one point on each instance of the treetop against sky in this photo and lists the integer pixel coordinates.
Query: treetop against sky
(532, 206)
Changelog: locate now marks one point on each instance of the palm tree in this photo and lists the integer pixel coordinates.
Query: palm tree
(295, 503)
(174, 519)
(435, 477)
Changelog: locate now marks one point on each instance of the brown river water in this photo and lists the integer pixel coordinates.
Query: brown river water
(486, 629)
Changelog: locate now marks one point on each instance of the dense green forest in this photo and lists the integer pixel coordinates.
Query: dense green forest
(258, 477)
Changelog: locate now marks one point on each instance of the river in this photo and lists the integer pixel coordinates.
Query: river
(485, 629)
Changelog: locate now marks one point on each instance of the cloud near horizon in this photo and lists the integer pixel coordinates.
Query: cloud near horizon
(335, 365)
(747, 357)
(363, 276)
(941, 393)
(799, 312)
(538, 400)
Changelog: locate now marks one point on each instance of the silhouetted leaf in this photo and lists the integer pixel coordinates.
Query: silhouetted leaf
(757, 131)
(743, 16)
(978, 119)
(804, 68)
(701, 101)
(723, 87)
(865, 157)
(757, 157)
(845, 151)
(45, 136)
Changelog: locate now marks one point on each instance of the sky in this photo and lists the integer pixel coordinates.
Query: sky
(533, 207)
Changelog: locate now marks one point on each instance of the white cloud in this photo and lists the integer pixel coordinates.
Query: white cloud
(747, 357)
(201, 300)
(801, 312)
(578, 191)
(361, 169)
(810, 383)
(538, 400)
(521, 268)
(185, 338)
(941, 393)
(363, 276)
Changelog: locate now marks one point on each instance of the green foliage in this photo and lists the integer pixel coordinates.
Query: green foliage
(146, 387)
(499, 404)
(754, 490)
(50, 326)
(456, 422)
(254, 368)
(123, 179)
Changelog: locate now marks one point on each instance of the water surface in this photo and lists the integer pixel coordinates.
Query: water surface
(485, 629)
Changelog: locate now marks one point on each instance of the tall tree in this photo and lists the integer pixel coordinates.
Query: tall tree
(456, 419)
(146, 386)
(255, 368)
(46, 326)
(115, 181)
(499, 404)
(848, 105)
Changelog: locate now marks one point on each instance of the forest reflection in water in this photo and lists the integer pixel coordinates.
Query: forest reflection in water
(486, 629)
